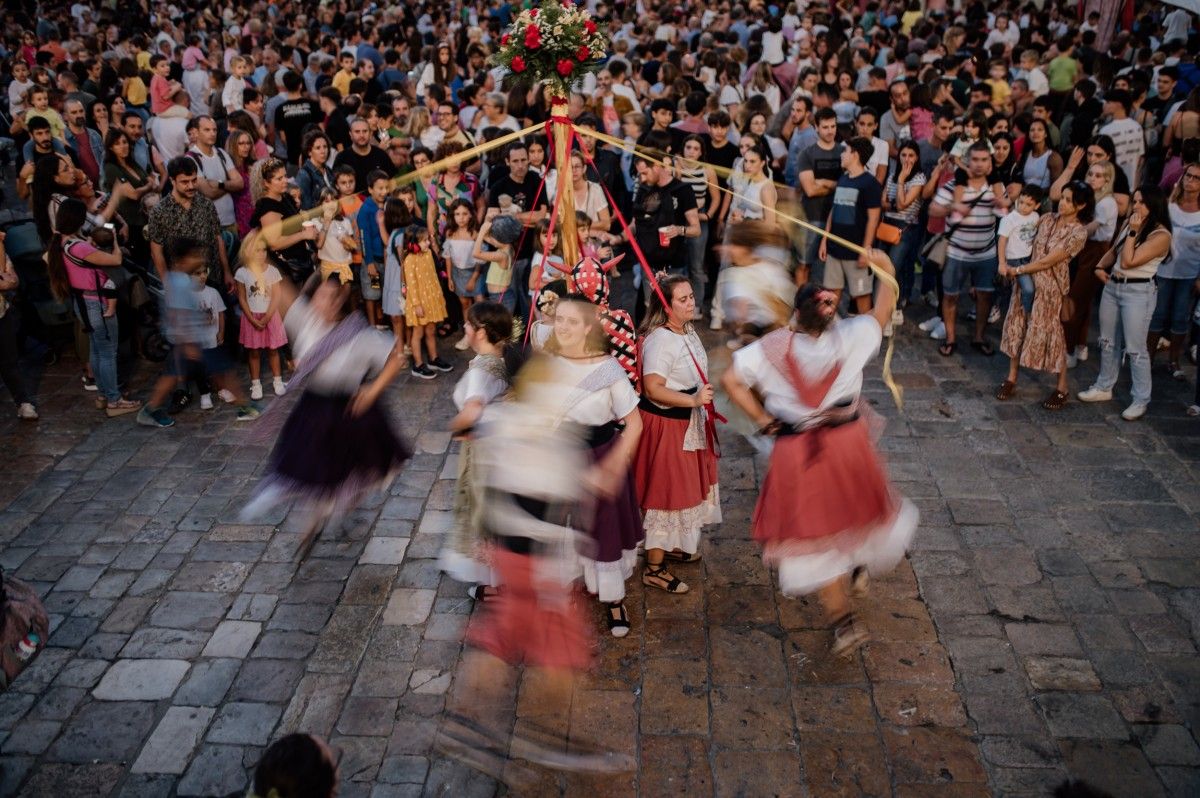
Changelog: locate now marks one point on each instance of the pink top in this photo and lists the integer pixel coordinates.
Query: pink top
(160, 94)
(83, 278)
(193, 58)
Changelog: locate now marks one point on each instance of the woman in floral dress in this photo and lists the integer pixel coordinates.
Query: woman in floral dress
(1037, 341)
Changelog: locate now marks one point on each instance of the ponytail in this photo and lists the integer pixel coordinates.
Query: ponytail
(56, 268)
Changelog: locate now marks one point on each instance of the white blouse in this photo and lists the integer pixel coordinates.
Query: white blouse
(850, 342)
(593, 408)
(347, 368)
(665, 353)
(478, 383)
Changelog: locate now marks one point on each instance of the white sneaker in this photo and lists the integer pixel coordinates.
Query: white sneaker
(1094, 394)
(1133, 412)
(994, 315)
(1072, 361)
(1193, 410)
(715, 323)
(27, 412)
(206, 402)
(938, 333)
(897, 318)
(256, 389)
(1164, 343)
(463, 344)
(1081, 352)
(278, 387)
(226, 396)
(929, 323)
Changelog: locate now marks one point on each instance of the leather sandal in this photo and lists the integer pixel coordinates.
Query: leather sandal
(681, 556)
(1055, 401)
(1006, 390)
(618, 619)
(659, 577)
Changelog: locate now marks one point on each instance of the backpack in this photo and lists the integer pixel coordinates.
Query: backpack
(24, 628)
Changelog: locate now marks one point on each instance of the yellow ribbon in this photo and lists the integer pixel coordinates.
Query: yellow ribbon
(887, 279)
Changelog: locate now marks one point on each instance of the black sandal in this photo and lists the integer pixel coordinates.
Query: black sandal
(659, 577)
(618, 624)
(947, 349)
(681, 556)
(983, 347)
(481, 593)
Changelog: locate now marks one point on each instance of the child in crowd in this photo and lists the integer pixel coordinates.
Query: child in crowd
(261, 326)
(102, 238)
(373, 236)
(425, 307)
(212, 311)
(38, 100)
(162, 88)
(998, 80)
(396, 218)
(502, 233)
(231, 95)
(544, 270)
(488, 328)
(336, 239)
(1014, 244)
(188, 329)
(458, 249)
(973, 130)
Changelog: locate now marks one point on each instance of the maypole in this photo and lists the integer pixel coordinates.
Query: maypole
(554, 45)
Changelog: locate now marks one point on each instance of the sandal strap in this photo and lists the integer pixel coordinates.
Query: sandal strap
(673, 582)
(622, 618)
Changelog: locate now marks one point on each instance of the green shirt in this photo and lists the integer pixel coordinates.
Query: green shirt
(1061, 72)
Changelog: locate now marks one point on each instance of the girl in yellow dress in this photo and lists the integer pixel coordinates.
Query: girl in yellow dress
(425, 306)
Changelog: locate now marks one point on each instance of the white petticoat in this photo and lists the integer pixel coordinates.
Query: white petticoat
(880, 551)
(606, 580)
(672, 530)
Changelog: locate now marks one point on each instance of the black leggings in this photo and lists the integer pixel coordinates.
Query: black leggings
(10, 373)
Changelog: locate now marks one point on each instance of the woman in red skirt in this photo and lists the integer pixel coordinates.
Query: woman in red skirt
(826, 511)
(676, 466)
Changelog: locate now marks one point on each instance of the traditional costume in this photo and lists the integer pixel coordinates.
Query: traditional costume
(675, 468)
(826, 507)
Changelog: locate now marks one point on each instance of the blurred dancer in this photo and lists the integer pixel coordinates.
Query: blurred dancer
(531, 469)
(336, 444)
(826, 515)
(676, 465)
(487, 330)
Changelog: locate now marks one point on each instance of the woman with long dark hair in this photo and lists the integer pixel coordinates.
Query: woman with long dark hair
(675, 469)
(1099, 148)
(315, 174)
(120, 168)
(76, 271)
(1036, 340)
(1128, 272)
(901, 208)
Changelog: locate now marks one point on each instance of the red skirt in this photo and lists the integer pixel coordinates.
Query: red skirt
(825, 489)
(533, 620)
(667, 477)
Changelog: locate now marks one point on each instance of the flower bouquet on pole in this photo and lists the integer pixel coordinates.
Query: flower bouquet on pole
(555, 44)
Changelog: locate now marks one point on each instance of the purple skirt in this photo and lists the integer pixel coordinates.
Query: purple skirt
(617, 522)
(324, 454)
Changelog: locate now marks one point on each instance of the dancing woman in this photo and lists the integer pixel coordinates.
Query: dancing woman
(676, 466)
(594, 393)
(336, 443)
(826, 514)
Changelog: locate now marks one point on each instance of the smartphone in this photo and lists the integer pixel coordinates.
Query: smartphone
(109, 226)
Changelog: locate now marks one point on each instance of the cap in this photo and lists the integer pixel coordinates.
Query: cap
(506, 229)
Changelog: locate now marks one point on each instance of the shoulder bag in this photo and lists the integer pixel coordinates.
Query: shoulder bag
(935, 250)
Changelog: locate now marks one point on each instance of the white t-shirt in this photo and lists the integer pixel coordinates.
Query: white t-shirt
(478, 383)
(879, 157)
(333, 250)
(1177, 24)
(1129, 139)
(1106, 215)
(666, 354)
(850, 342)
(1019, 231)
(1039, 84)
(216, 168)
(349, 366)
(212, 306)
(258, 297)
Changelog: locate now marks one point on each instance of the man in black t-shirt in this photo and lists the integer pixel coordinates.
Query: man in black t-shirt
(820, 166)
(362, 156)
(664, 214)
(293, 115)
(521, 186)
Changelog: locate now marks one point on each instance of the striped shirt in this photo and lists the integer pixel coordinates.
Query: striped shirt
(973, 237)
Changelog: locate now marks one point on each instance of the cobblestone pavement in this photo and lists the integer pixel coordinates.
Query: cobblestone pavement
(1045, 625)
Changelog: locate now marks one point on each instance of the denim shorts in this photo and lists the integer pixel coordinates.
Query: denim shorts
(962, 274)
(1174, 306)
(370, 294)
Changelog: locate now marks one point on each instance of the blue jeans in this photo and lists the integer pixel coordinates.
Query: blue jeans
(1125, 310)
(904, 257)
(102, 350)
(1024, 284)
(1174, 306)
(695, 257)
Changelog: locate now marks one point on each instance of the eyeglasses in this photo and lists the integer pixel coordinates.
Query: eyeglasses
(1191, 176)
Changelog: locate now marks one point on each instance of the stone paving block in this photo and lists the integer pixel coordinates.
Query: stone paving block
(1061, 673)
(751, 717)
(212, 577)
(65, 779)
(173, 741)
(745, 773)
(748, 656)
(105, 731)
(233, 639)
(33, 737)
(344, 639)
(690, 775)
(841, 709)
(1160, 634)
(367, 716)
(1043, 638)
(208, 682)
(1020, 751)
(401, 769)
(190, 610)
(370, 584)
(267, 680)
(244, 723)
(81, 673)
(258, 607)
(216, 770)
(927, 755)
(837, 763)
(315, 704)
(141, 680)
(285, 645)
(1115, 766)
(361, 757)
(906, 704)
(164, 644)
(408, 606)
(1081, 715)
(679, 691)
(57, 703)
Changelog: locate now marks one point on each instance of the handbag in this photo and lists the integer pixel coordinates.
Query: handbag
(936, 250)
(888, 233)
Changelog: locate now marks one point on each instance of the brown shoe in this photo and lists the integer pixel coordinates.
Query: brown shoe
(122, 407)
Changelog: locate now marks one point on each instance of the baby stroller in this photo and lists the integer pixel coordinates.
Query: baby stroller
(45, 321)
(147, 295)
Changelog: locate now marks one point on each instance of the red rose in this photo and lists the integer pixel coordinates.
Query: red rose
(565, 66)
(590, 27)
(582, 54)
(533, 37)
(504, 39)
(518, 64)
(533, 13)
